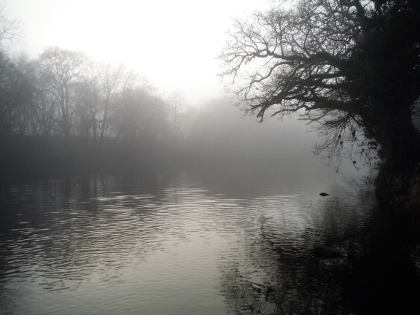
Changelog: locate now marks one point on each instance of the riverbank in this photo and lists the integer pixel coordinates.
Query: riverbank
(26, 155)
(399, 194)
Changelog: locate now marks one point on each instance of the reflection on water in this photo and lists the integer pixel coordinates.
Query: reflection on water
(149, 245)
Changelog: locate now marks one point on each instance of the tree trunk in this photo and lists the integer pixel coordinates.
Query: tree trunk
(398, 181)
(105, 117)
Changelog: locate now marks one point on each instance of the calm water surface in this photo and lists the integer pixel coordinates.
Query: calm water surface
(106, 244)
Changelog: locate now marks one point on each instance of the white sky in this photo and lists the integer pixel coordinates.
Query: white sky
(173, 43)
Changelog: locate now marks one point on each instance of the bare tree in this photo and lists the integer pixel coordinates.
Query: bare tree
(8, 28)
(111, 79)
(86, 100)
(15, 97)
(59, 69)
(342, 63)
(141, 114)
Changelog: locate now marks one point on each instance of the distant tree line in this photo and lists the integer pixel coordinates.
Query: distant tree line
(64, 93)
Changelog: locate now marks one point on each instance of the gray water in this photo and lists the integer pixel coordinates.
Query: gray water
(157, 244)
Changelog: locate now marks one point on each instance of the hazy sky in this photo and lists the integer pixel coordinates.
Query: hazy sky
(174, 43)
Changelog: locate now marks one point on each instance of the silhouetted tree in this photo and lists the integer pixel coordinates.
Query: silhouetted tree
(60, 68)
(86, 101)
(15, 89)
(140, 115)
(7, 28)
(111, 80)
(15, 98)
(342, 63)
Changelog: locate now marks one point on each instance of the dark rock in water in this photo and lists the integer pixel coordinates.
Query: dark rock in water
(324, 194)
(327, 252)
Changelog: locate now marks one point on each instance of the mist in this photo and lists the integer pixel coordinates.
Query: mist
(249, 157)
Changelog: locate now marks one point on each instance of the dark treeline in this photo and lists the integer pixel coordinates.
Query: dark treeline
(62, 112)
(63, 109)
(64, 93)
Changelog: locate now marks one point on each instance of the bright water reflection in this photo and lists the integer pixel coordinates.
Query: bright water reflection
(130, 245)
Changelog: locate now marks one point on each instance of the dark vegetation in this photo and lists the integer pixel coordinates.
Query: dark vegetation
(350, 66)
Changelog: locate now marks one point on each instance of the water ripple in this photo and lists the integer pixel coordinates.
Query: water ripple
(109, 248)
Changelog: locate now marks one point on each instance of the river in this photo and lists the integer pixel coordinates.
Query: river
(177, 244)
